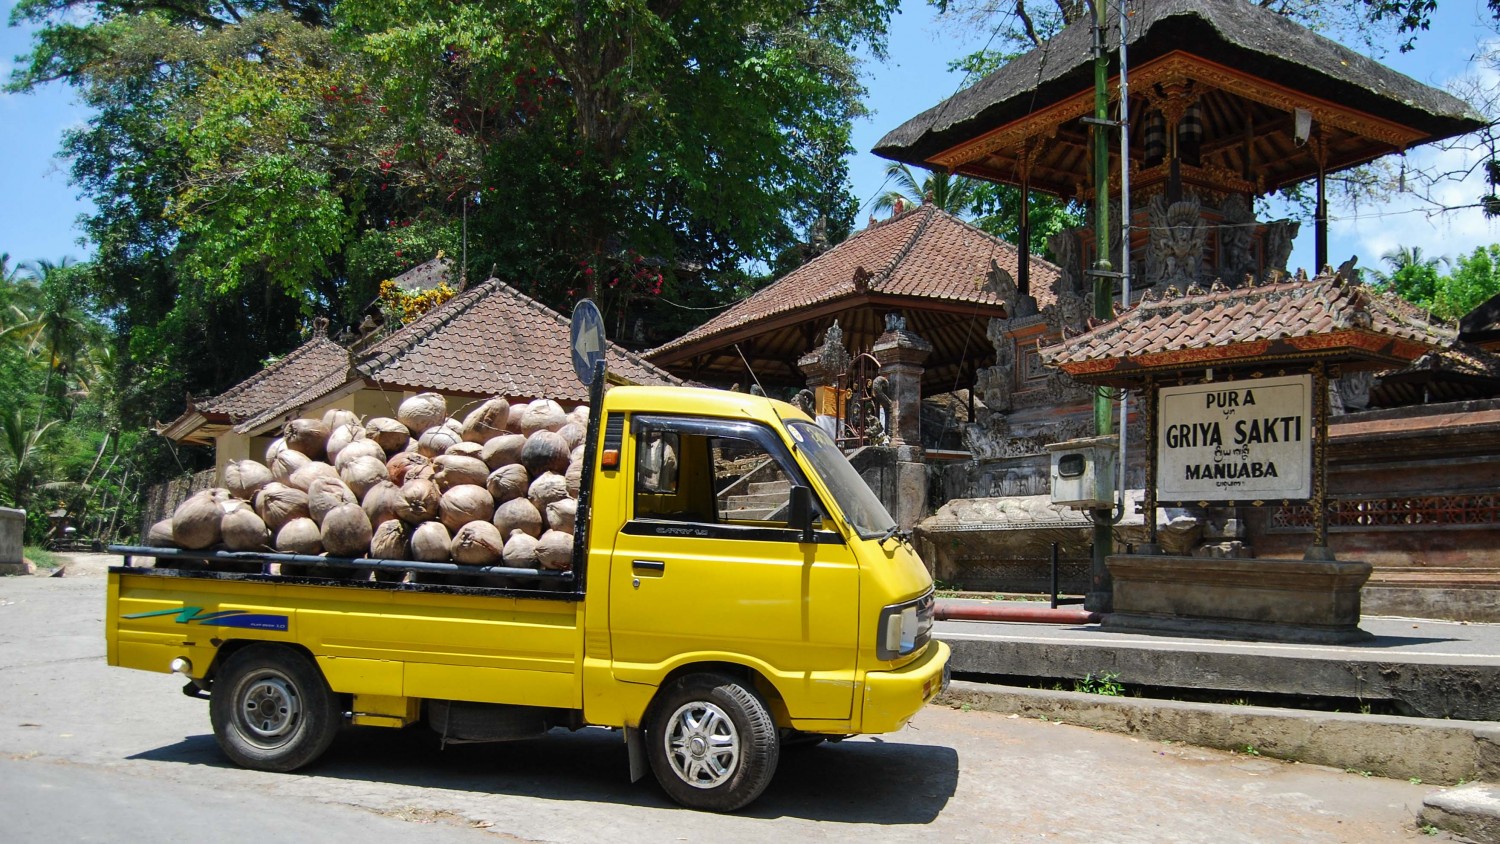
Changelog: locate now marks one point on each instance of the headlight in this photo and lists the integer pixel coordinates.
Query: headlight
(904, 628)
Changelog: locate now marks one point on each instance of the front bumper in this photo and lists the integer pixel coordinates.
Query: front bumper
(892, 697)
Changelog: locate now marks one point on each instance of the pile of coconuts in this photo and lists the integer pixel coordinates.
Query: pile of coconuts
(499, 488)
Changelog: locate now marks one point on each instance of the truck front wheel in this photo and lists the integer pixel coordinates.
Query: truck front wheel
(712, 742)
(271, 709)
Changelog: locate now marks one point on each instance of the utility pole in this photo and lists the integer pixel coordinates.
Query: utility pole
(1101, 586)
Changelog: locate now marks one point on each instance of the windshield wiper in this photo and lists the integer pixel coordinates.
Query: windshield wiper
(896, 531)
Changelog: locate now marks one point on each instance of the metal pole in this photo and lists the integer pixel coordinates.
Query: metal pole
(1101, 592)
(1125, 220)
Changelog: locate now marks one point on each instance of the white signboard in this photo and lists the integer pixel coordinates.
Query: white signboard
(1235, 441)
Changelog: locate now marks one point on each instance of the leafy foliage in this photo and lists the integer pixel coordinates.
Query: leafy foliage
(1419, 279)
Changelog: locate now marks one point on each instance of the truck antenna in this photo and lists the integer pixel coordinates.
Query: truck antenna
(749, 370)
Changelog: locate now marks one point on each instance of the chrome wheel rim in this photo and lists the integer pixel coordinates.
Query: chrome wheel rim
(703, 747)
(270, 707)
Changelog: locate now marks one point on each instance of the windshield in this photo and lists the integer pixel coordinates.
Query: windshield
(855, 498)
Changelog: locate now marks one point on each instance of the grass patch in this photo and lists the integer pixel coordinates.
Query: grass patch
(42, 557)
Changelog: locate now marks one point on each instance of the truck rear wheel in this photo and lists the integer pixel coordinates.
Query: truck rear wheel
(271, 709)
(712, 742)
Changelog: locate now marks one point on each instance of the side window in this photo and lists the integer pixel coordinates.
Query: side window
(749, 485)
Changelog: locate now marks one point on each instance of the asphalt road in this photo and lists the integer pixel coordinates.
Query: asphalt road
(92, 753)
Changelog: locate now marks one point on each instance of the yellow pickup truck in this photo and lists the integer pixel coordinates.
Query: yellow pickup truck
(735, 586)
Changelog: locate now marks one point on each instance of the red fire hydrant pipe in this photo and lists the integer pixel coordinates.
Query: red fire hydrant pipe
(963, 611)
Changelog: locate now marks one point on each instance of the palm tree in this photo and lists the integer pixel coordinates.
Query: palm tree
(55, 324)
(1413, 276)
(23, 446)
(954, 194)
(1404, 257)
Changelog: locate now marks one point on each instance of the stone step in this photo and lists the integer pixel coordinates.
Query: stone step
(767, 500)
(769, 487)
(1472, 812)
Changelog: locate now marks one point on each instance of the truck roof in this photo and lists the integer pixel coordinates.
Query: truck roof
(709, 402)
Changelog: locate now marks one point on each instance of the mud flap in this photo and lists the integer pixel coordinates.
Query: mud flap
(635, 745)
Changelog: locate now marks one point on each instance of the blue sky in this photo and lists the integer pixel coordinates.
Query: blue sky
(37, 216)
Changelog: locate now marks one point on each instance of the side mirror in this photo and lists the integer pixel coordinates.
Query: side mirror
(800, 512)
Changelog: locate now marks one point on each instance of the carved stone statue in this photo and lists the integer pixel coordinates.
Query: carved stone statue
(1178, 233)
(1279, 237)
(1237, 240)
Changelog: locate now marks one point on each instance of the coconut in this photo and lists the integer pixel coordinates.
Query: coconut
(245, 531)
(390, 540)
(244, 478)
(419, 501)
(503, 450)
(554, 551)
(309, 436)
(337, 416)
(278, 504)
(339, 438)
(404, 462)
(508, 482)
(574, 477)
(195, 522)
(383, 502)
(463, 504)
(324, 494)
(453, 470)
(562, 514)
(437, 439)
(547, 488)
(487, 421)
(388, 433)
(542, 415)
(302, 478)
(358, 448)
(276, 447)
(477, 543)
(421, 412)
(431, 543)
(160, 535)
(347, 531)
(579, 416)
(545, 451)
(573, 434)
(300, 536)
(518, 514)
(467, 449)
(520, 550)
(361, 473)
(287, 463)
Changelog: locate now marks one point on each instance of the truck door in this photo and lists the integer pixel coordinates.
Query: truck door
(707, 566)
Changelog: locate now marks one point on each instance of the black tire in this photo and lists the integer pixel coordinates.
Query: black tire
(712, 742)
(272, 710)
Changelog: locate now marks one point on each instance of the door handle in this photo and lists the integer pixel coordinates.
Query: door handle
(654, 566)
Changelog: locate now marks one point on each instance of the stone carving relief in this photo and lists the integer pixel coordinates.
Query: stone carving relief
(1236, 241)
(1279, 237)
(833, 357)
(1351, 392)
(1178, 234)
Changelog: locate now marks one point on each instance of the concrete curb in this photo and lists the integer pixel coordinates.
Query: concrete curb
(1472, 812)
(1441, 752)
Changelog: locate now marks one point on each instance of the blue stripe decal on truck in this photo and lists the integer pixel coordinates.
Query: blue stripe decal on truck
(223, 618)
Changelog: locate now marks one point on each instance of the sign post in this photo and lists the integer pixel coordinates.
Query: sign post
(586, 338)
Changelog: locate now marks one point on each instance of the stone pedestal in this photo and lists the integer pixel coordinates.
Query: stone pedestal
(12, 536)
(1251, 600)
(901, 354)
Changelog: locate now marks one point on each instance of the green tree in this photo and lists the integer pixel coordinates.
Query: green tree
(954, 194)
(1475, 279)
(1413, 276)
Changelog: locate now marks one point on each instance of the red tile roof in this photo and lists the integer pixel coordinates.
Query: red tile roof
(491, 340)
(318, 361)
(924, 253)
(1196, 328)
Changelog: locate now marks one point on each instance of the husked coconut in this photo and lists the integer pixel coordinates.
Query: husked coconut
(422, 411)
(337, 416)
(562, 514)
(487, 421)
(518, 514)
(276, 447)
(287, 463)
(576, 454)
(303, 478)
(547, 488)
(340, 437)
(160, 535)
(195, 523)
(278, 504)
(324, 494)
(245, 531)
(437, 439)
(382, 502)
(478, 544)
(545, 451)
(300, 536)
(454, 470)
(361, 473)
(573, 434)
(456, 426)
(390, 540)
(399, 465)
(513, 419)
(502, 450)
(520, 550)
(419, 501)
(554, 551)
(574, 477)
(463, 504)
(508, 482)
(431, 543)
(579, 416)
(466, 449)
(309, 436)
(347, 531)
(358, 448)
(388, 433)
(542, 415)
(244, 478)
